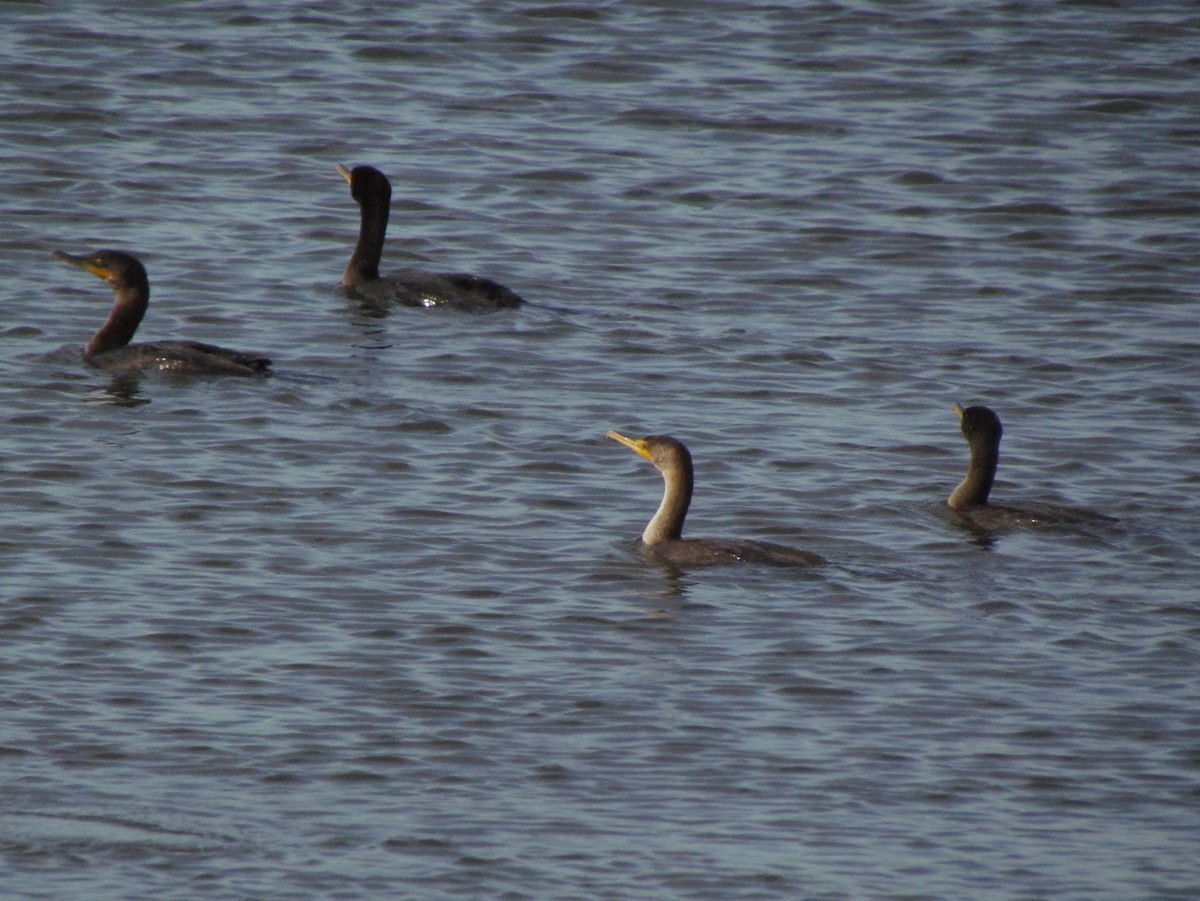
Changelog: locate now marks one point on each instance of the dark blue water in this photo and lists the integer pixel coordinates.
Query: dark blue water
(378, 626)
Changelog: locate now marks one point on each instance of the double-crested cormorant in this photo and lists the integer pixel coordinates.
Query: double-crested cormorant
(981, 427)
(408, 287)
(110, 347)
(968, 502)
(663, 534)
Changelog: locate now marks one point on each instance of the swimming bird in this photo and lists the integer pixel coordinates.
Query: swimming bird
(968, 502)
(109, 348)
(407, 287)
(663, 536)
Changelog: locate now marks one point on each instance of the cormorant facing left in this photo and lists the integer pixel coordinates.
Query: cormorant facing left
(109, 348)
(372, 191)
(663, 535)
(969, 504)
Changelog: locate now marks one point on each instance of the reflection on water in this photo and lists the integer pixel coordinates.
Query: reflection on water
(124, 389)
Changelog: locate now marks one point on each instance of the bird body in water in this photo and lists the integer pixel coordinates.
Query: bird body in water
(408, 287)
(969, 503)
(663, 535)
(110, 349)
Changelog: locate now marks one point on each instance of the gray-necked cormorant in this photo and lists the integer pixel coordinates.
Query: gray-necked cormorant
(663, 536)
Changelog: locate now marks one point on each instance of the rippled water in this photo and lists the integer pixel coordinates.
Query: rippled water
(377, 626)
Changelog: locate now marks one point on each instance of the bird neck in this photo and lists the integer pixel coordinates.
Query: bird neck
(364, 262)
(667, 523)
(129, 306)
(973, 490)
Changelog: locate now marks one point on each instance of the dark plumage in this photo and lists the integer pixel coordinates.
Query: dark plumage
(969, 503)
(409, 287)
(981, 427)
(663, 534)
(109, 348)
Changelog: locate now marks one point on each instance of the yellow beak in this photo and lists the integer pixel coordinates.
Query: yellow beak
(637, 445)
(81, 263)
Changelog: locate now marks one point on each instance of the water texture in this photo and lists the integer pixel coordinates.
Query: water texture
(378, 627)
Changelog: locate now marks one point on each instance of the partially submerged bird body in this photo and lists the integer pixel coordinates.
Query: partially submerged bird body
(188, 357)
(110, 349)
(990, 517)
(698, 552)
(448, 290)
(663, 535)
(969, 504)
(372, 191)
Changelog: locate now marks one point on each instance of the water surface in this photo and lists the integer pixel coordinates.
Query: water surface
(378, 627)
